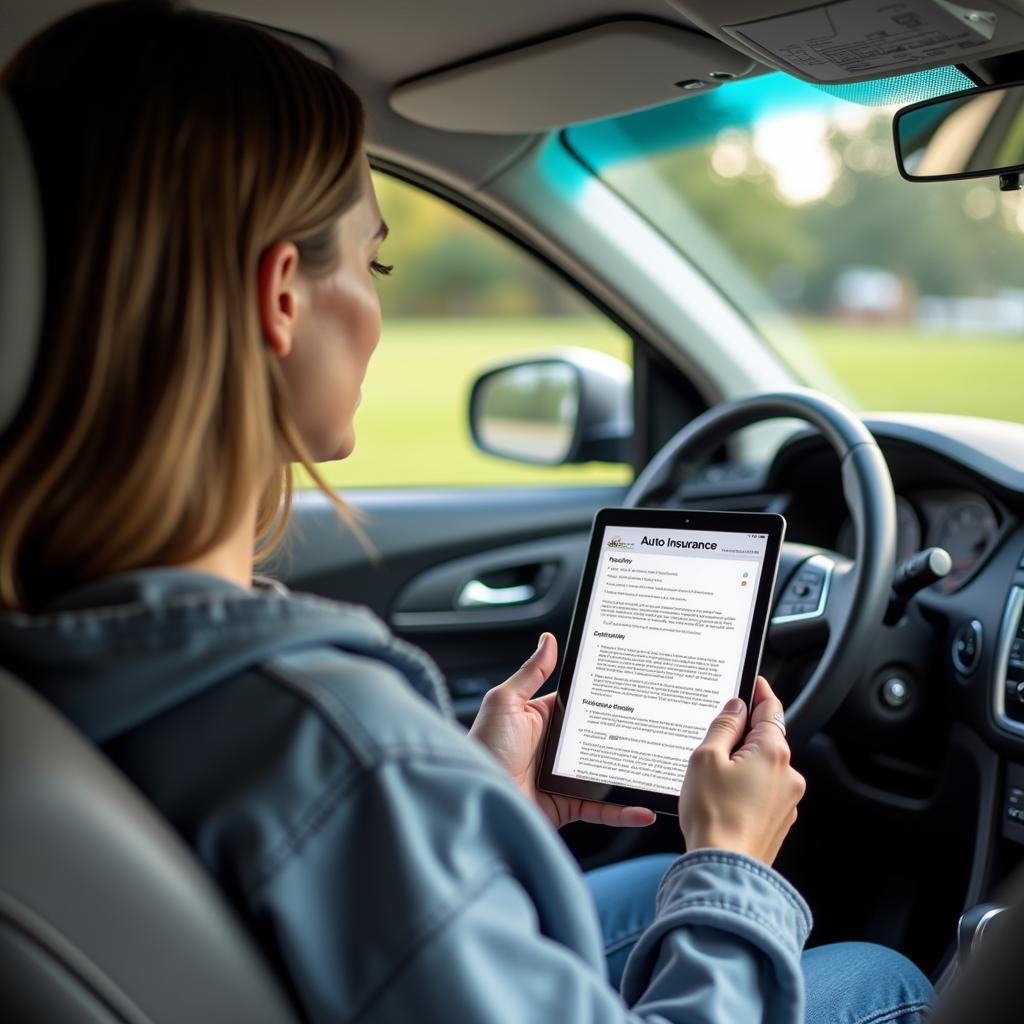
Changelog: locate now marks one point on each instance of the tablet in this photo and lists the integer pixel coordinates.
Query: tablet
(669, 624)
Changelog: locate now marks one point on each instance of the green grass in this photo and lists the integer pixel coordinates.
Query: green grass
(889, 368)
(412, 426)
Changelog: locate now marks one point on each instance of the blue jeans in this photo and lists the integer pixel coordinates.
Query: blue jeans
(847, 983)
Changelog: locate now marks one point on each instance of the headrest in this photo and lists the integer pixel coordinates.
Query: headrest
(21, 264)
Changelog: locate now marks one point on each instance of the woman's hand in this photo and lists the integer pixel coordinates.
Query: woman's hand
(742, 799)
(512, 724)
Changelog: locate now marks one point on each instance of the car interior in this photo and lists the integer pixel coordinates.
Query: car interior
(897, 631)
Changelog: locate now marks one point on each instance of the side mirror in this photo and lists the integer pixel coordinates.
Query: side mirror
(972, 134)
(573, 405)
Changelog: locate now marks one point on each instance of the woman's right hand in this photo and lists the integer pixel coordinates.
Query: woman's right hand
(742, 798)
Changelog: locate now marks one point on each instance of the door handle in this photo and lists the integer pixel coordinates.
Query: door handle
(520, 584)
(477, 594)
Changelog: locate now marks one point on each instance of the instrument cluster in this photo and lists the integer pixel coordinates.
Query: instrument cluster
(963, 522)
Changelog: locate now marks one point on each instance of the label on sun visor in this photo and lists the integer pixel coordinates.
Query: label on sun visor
(872, 38)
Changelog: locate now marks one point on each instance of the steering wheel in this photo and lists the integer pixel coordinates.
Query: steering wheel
(846, 599)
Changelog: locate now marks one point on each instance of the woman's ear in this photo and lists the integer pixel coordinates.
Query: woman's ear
(278, 298)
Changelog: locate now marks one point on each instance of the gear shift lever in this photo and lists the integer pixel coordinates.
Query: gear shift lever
(971, 929)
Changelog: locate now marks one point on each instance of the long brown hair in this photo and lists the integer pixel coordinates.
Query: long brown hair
(172, 149)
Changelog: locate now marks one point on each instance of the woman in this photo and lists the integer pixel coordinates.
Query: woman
(212, 237)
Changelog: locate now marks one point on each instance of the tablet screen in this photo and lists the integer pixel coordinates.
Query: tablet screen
(662, 648)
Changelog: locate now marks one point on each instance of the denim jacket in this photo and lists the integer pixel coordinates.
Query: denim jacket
(388, 867)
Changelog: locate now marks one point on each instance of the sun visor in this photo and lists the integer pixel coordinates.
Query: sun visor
(855, 40)
(595, 72)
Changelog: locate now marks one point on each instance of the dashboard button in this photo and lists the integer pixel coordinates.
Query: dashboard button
(895, 692)
(1016, 659)
(966, 650)
(1014, 701)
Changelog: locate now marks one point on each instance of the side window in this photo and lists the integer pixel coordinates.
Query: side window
(460, 299)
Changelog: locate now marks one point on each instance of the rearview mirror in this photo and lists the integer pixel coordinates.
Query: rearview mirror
(573, 405)
(970, 134)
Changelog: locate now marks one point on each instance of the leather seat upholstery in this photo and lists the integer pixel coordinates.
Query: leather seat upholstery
(21, 264)
(105, 915)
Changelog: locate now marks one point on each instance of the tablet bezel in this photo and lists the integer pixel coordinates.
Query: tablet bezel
(768, 523)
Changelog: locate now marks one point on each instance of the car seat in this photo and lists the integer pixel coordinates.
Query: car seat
(105, 914)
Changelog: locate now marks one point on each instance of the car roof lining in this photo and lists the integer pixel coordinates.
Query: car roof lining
(404, 40)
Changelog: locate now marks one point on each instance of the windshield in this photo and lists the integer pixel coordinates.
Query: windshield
(886, 294)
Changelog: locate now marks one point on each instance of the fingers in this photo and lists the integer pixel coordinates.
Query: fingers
(746, 800)
(725, 730)
(762, 689)
(535, 671)
(614, 816)
(545, 701)
(767, 723)
(766, 704)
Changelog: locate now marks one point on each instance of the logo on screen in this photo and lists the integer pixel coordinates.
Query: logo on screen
(618, 542)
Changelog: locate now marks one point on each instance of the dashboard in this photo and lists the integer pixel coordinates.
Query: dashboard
(932, 733)
(959, 485)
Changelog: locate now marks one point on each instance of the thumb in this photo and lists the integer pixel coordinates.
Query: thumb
(726, 729)
(536, 669)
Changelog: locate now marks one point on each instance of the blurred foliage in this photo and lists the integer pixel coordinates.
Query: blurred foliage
(943, 238)
(960, 238)
(460, 300)
(448, 264)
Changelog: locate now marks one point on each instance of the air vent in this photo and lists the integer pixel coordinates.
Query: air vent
(1008, 677)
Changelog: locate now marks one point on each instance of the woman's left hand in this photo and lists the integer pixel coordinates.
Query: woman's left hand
(512, 723)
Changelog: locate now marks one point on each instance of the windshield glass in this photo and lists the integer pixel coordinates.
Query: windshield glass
(887, 294)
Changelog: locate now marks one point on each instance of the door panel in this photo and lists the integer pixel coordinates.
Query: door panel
(430, 544)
